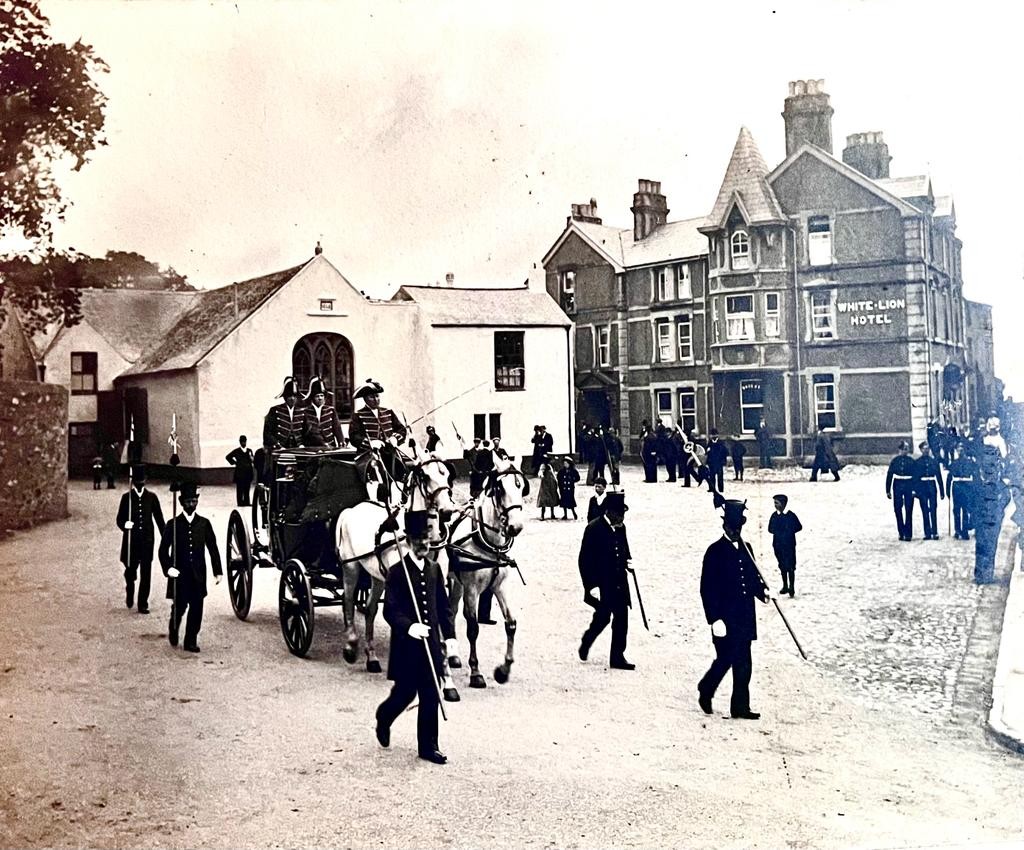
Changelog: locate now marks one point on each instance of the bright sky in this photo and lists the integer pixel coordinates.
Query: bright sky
(419, 138)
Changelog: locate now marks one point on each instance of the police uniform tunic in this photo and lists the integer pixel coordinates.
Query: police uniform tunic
(928, 477)
(191, 541)
(899, 485)
(143, 510)
(960, 485)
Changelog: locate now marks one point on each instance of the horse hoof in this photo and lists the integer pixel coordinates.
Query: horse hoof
(454, 662)
(373, 666)
(349, 654)
(500, 675)
(477, 681)
(451, 695)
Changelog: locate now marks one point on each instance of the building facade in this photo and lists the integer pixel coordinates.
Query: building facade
(833, 300)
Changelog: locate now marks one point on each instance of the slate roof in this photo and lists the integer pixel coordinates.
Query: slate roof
(210, 318)
(746, 179)
(672, 241)
(444, 305)
(918, 186)
(133, 320)
(943, 206)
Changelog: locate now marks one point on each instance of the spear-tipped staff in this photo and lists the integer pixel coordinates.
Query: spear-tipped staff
(172, 441)
(131, 439)
(449, 401)
(775, 602)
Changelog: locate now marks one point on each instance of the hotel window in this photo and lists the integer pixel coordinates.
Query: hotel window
(739, 317)
(684, 286)
(819, 240)
(509, 364)
(83, 373)
(688, 408)
(684, 337)
(740, 244)
(604, 339)
(772, 320)
(823, 316)
(663, 331)
(567, 290)
(825, 401)
(666, 289)
(751, 405)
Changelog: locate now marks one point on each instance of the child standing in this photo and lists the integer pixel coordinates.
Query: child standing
(97, 473)
(568, 475)
(597, 505)
(783, 527)
(547, 494)
(738, 452)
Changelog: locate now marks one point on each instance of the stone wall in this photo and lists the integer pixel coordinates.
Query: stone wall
(33, 453)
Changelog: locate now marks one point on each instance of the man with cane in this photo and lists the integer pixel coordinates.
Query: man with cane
(416, 607)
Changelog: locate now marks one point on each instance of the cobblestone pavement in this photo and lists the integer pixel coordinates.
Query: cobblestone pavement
(110, 738)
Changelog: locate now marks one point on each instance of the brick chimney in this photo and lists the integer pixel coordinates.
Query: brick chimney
(584, 212)
(869, 154)
(449, 280)
(808, 116)
(650, 209)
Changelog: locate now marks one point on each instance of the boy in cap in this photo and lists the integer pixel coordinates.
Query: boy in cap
(729, 584)
(416, 607)
(138, 512)
(783, 527)
(604, 566)
(183, 560)
(596, 505)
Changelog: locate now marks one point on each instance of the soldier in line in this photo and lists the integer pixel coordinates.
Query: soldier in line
(423, 615)
(960, 485)
(928, 478)
(604, 566)
(138, 512)
(284, 423)
(321, 427)
(241, 458)
(899, 487)
(729, 584)
(183, 547)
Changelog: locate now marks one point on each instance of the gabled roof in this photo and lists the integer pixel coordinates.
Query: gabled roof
(745, 180)
(847, 171)
(446, 306)
(607, 241)
(918, 186)
(676, 240)
(210, 318)
(131, 320)
(944, 206)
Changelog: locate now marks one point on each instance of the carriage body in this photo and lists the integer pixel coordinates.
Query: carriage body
(295, 505)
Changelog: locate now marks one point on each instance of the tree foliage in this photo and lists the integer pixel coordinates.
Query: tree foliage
(51, 112)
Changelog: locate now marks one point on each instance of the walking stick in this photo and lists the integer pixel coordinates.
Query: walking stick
(775, 602)
(639, 599)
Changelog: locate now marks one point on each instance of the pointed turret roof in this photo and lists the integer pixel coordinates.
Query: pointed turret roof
(745, 183)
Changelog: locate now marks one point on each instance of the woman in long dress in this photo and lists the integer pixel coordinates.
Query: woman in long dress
(568, 475)
(547, 495)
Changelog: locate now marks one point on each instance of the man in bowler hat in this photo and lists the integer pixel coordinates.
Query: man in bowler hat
(729, 584)
(604, 566)
(136, 515)
(422, 615)
(186, 539)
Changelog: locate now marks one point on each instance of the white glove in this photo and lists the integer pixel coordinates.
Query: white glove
(216, 579)
(718, 628)
(128, 526)
(376, 444)
(596, 593)
(394, 440)
(173, 572)
(419, 630)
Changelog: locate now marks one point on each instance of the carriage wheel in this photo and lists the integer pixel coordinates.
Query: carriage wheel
(295, 603)
(239, 566)
(260, 510)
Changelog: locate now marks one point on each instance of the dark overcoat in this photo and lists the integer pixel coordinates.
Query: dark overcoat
(603, 556)
(145, 512)
(567, 478)
(406, 658)
(783, 529)
(729, 584)
(191, 541)
(242, 460)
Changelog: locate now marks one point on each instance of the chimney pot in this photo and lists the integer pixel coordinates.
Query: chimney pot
(650, 208)
(868, 153)
(807, 115)
(449, 279)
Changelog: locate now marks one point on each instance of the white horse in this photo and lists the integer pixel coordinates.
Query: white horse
(479, 540)
(369, 537)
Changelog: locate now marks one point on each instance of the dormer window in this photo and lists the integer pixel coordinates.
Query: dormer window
(326, 305)
(740, 247)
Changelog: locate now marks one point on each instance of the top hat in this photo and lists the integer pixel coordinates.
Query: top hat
(188, 490)
(291, 387)
(615, 503)
(416, 524)
(733, 510)
(316, 386)
(368, 387)
(138, 473)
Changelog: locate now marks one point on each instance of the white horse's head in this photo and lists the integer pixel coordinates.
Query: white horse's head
(430, 486)
(502, 499)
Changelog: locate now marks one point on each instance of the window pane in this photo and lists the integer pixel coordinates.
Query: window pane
(664, 402)
(480, 425)
(771, 301)
(750, 392)
(739, 304)
(495, 425)
(76, 363)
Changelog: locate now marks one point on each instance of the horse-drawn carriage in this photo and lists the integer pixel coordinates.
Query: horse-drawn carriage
(294, 509)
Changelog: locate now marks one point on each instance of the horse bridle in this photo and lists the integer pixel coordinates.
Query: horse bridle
(492, 491)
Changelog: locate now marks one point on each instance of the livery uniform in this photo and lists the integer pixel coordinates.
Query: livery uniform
(283, 426)
(142, 508)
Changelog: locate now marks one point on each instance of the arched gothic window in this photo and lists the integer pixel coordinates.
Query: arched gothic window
(329, 356)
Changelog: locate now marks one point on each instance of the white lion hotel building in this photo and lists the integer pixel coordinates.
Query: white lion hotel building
(495, 362)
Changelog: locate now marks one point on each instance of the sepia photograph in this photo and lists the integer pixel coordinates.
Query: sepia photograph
(415, 418)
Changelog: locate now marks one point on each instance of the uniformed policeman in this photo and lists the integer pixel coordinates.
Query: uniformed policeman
(928, 478)
(138, 512)
(604, 567)
(960, 485)
(285, 422)
(992, 495)
(899, 487)
(729, 584)
(183, 547)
